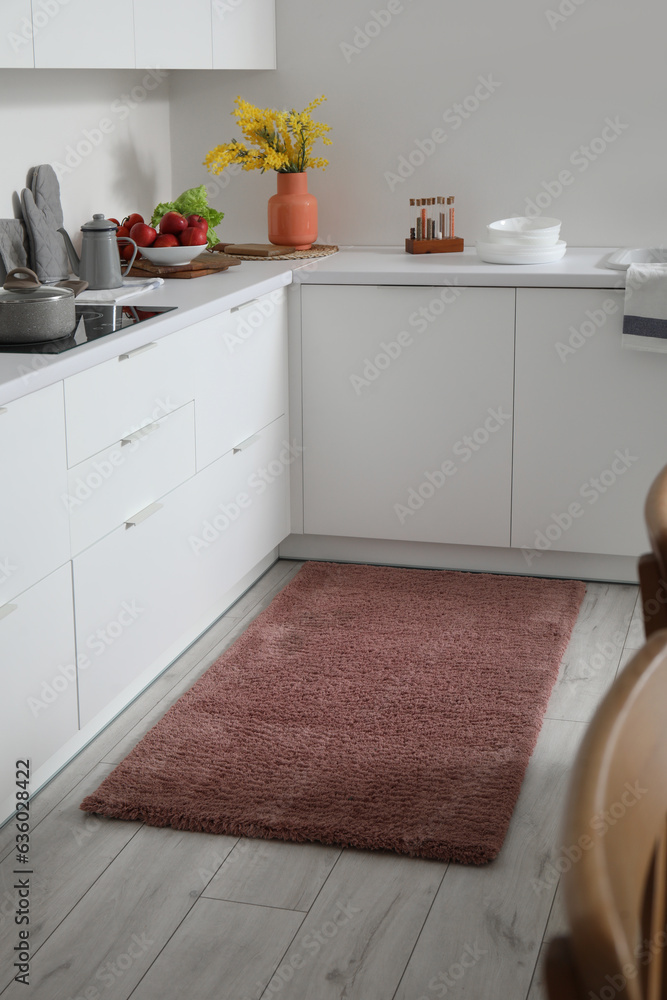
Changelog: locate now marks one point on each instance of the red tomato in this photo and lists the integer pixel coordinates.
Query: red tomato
(132, 220)
(173, 223)
(115, 221)
(166, 240)
(123, 231)
(198, 221)
(126, 250)
(193, 237)
(143, 235)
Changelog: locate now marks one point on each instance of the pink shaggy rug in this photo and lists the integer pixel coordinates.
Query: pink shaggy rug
(368, 707)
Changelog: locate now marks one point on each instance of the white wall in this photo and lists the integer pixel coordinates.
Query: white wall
(560, 76)
(44, 118)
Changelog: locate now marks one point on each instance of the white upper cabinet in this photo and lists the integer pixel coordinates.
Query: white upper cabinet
(84, 34)
(244, 34)
(168, 37)
(142, 34)
(15, 34)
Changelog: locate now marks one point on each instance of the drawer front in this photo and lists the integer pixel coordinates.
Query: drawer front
(105, 490)
(34, 528)
(38, 712)
(114, 399)
(241, 376)
(141, 588)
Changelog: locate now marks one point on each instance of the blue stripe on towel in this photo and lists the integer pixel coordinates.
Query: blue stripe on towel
(644, 326)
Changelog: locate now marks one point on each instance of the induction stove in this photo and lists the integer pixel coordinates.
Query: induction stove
(94, 320)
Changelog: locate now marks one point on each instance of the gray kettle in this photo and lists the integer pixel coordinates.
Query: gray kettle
(99, 264)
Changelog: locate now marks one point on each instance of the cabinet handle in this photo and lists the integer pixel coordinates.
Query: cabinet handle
(7, 609)
(244, 305)
(147, 512)
(245, 444)
(137, 350)
(142, 433)
(3, 409)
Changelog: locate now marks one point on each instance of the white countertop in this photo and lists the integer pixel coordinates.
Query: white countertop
(196, 299)
(200, 298)
(581, 267)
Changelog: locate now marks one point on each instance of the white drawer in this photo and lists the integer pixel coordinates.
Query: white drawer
(111, 400)
(38, 710)
(140, 589)
(105, 490)
(34, 526)
(241, 374)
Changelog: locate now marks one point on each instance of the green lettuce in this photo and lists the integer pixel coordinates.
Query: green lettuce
(192, 202)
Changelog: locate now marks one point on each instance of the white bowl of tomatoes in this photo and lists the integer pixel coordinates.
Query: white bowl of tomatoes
(177, 240)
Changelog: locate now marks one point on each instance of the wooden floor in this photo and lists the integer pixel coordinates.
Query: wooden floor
(121, 909)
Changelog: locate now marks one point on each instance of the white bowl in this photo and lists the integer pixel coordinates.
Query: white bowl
(171, 256)
(522, 225)
(498, 253)
(521, 239)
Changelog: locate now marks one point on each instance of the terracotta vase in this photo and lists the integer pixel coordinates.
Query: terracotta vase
(293, 213)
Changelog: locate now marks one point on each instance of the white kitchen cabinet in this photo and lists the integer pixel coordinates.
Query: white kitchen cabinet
(34, 528)
(142, 588)
(407, 412)
(169, 37)
(244, 34)
(16, 34)
(38, 710)
(106, 489)
(84, 34)
(590, 422)
(241, 373)
(112, 400)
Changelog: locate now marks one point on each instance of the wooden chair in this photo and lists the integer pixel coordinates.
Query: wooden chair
(615, 835)
(653, 566)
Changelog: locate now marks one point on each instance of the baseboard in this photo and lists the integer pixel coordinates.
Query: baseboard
(477, 559)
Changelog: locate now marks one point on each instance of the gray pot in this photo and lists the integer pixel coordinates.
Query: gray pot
(31, 312)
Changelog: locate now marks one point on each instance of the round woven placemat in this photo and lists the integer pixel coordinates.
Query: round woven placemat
(317, 250)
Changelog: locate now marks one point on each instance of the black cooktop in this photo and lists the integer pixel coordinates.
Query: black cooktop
(93, 321)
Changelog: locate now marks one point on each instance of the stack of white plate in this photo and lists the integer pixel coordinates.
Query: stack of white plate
(522, 241)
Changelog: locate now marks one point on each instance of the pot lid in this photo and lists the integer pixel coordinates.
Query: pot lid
(29, 288)
(96, 223)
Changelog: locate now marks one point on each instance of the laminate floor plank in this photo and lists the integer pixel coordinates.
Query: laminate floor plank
(556, 926)
(593, 653)
(65, 860)
(636, 635)
(359, 933)
(115, 932)
(221, 951)
(273, 873)
(485, 929)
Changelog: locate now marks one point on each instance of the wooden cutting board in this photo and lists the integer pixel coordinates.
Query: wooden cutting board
(197, 268)
(255, 249)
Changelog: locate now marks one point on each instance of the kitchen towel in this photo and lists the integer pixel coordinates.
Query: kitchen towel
(645, 319)
(130, 287)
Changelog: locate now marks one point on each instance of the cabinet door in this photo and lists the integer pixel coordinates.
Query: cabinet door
(34, 528)
(407, 412)
(171, 37)
(145, 589)
(16, 34)
(85, 34)
(241, 375)
(244, 34)
(590, 423)
(38, 710)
